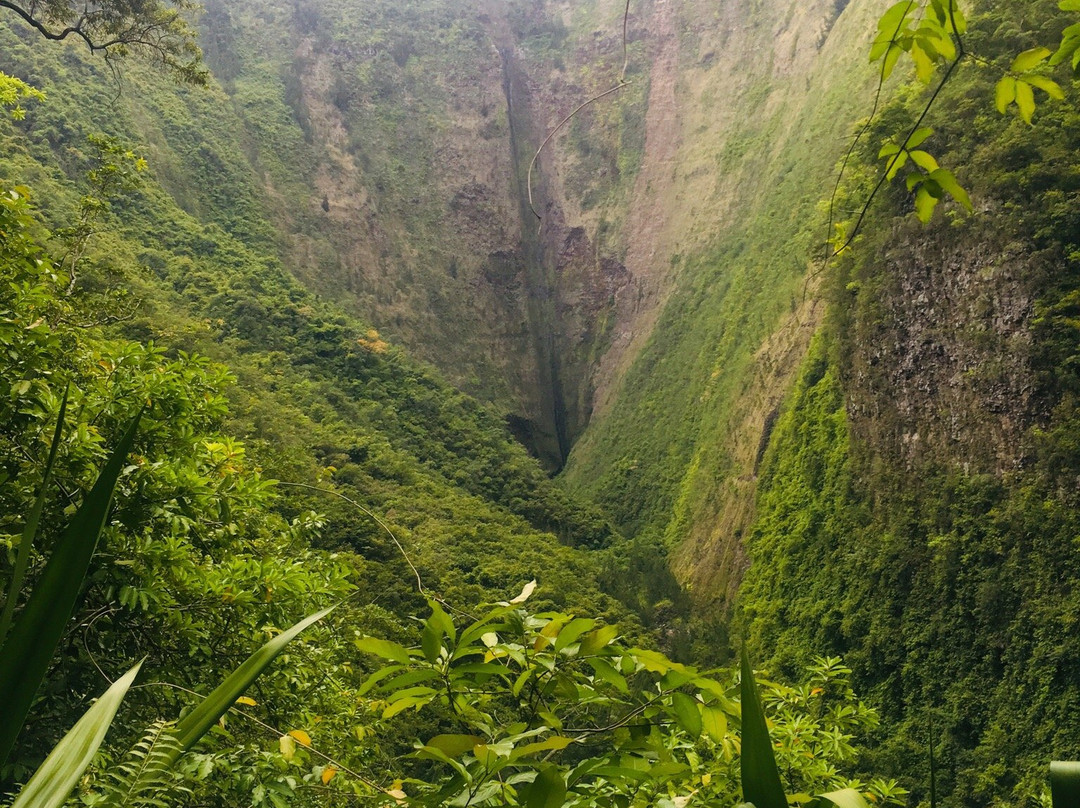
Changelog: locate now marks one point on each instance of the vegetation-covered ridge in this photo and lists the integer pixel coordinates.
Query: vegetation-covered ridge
(145, 281)
(917, 506)
(196, 564)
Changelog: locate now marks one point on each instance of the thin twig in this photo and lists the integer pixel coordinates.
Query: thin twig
(374, 518)
(556, 130)
(401, 549)
(865, 128)
(960, 55)
(622, 83)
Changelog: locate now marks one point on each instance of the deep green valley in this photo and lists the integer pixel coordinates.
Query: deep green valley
(539, 403)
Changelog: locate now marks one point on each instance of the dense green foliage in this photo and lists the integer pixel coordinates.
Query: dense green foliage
(926, 531)
(922, 525)
(204, 555)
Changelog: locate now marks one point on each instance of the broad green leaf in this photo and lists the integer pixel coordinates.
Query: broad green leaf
(62, 769)
(1070, 43)
(687, 713)
(942, 45)
(1025, 100)
(924, 160)
(621, 772)
(918, 137)
(403, 704)
(924, 63)
(431, 642)
(880, 46)
(1030, 59)
(441, 620)
(409, 679)
(596, 640)
(893, 19)
(651, 660)
(1064, 784)
(378, 676)
(548, 790)
(29, 647)
(888, 150)
(1005, 93)
(29, 533)
(555, 742)
(892, 56)
(522, 680)
(1047, 85)
(572, 631)
(454, 745)
(947, 181)
(847, 798)
(925, 203)
(714, 722)
(957, 18)
(437, 626)
(1069, 5)
(196, 723)
(606, 672)
(898, 161)
(760, 777)
(384, 648)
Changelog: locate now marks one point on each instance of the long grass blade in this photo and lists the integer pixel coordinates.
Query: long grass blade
(1065, 784)
(57, 776)
(29, 648)
(22, 558)
(199, 721)
(760, 777)
(846, 798)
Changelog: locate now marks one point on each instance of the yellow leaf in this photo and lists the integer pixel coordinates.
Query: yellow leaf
(706, 778)
(247, 700)
(530, 587)
(396, 792)
(301, 736)
(287, 746)
(328, 774)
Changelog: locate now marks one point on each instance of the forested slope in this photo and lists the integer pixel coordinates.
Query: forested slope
(917, 507)
(154, 265)
(874, 459)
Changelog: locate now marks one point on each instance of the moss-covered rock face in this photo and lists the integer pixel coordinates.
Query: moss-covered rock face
(394, 140)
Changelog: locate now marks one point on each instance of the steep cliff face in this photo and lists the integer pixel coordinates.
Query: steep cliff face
(407, 200)
(705, 353)
(944, 368)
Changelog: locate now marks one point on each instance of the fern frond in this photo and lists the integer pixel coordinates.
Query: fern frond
(146, 777)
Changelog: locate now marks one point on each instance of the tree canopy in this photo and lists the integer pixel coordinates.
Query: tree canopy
(159, 29)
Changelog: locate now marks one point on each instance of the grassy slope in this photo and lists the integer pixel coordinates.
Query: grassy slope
(674, 457)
